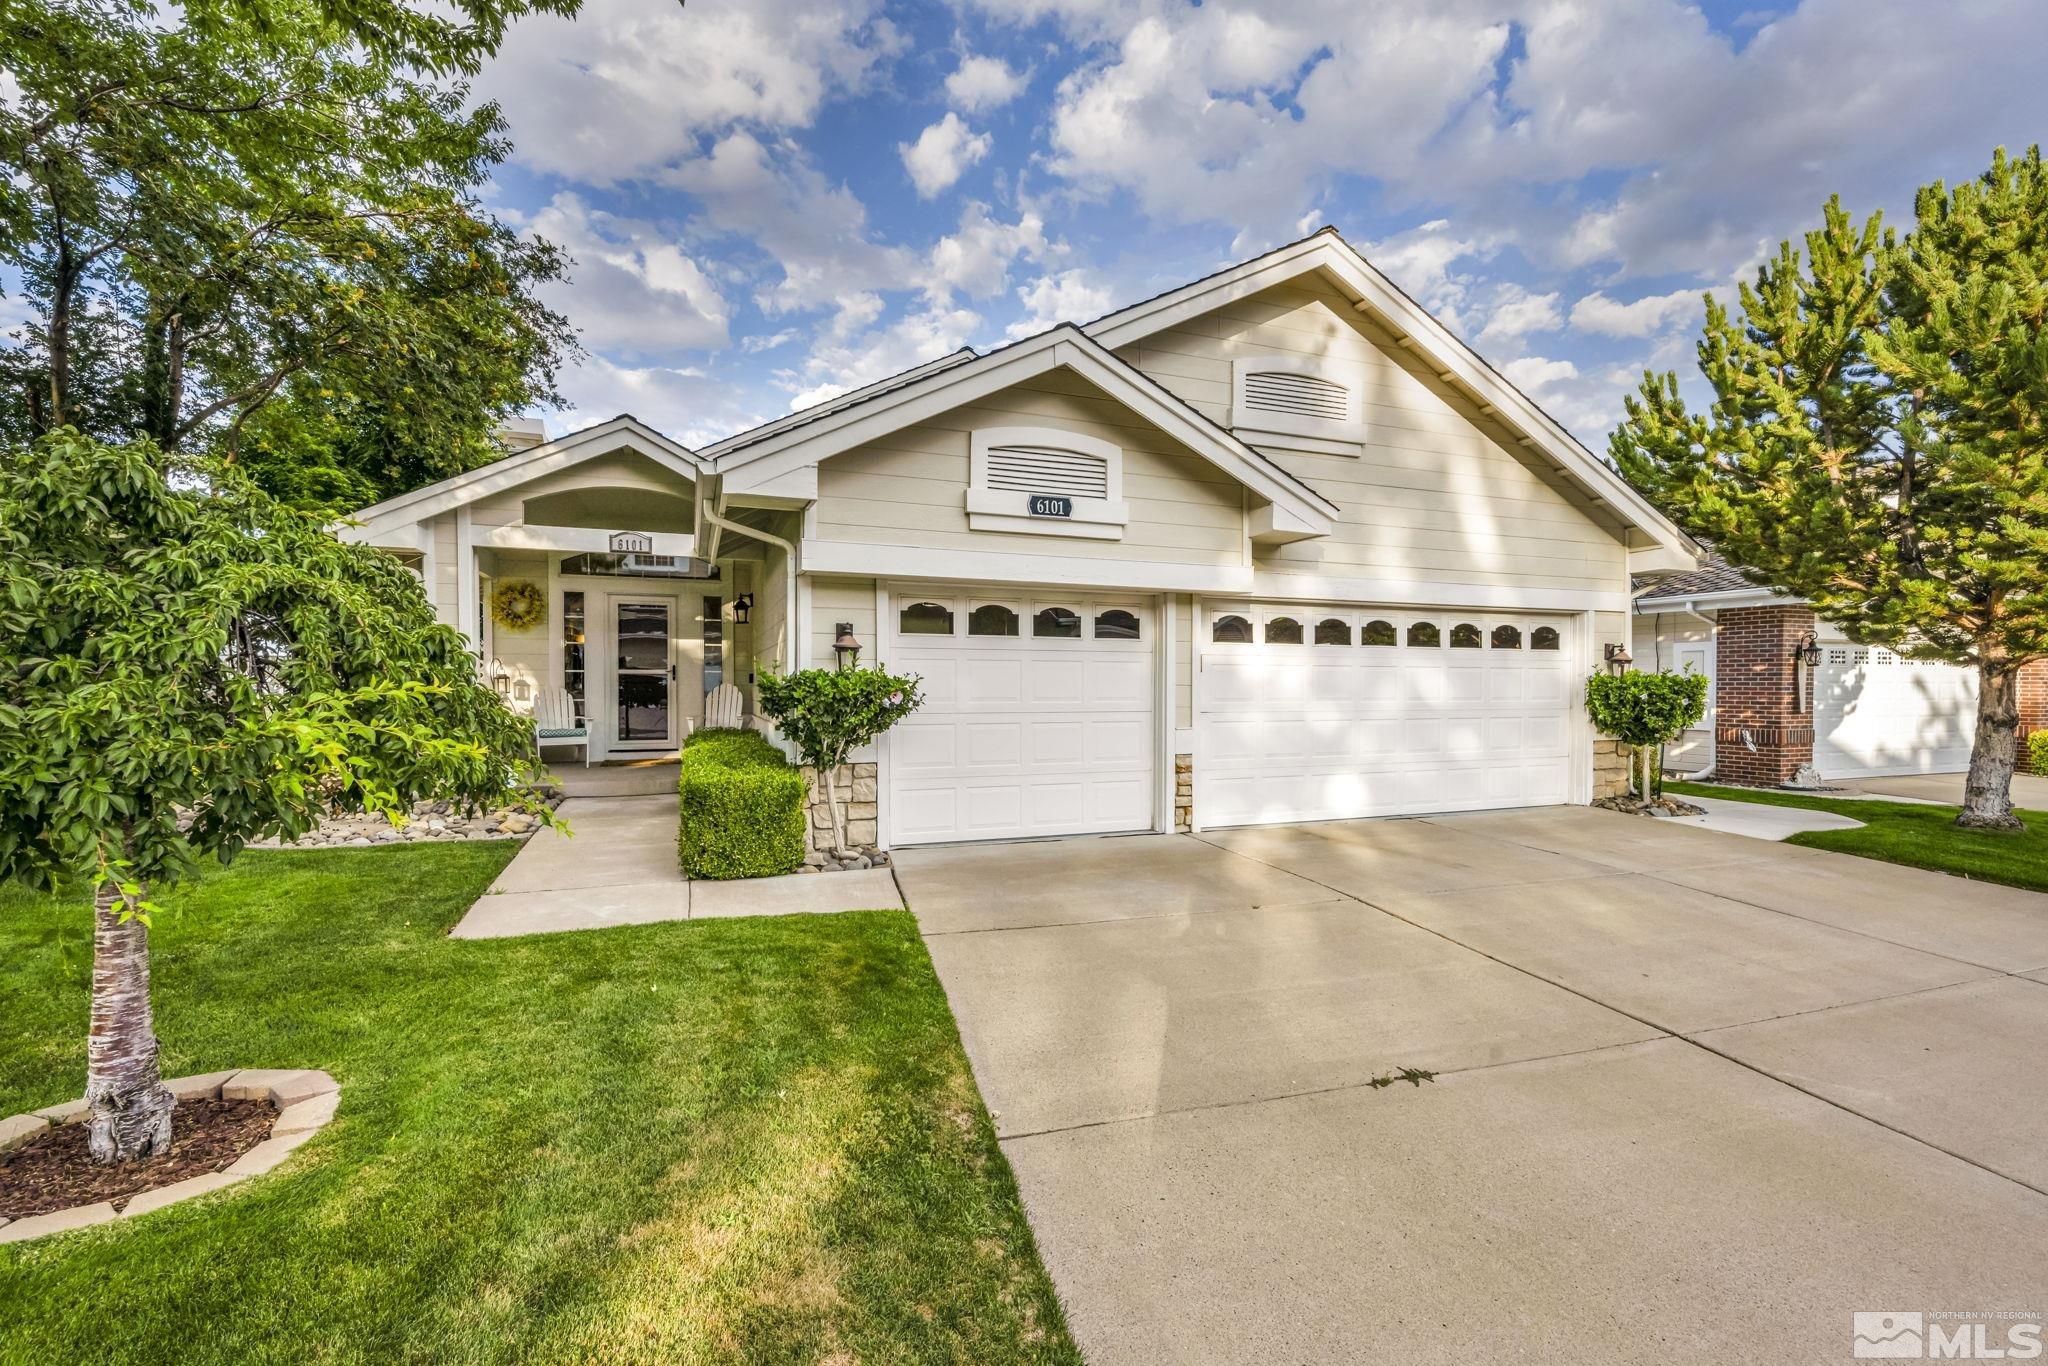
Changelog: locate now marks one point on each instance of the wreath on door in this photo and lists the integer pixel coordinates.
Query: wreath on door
(518, 605)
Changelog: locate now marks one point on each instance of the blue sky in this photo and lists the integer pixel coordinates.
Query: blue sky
(770, 201)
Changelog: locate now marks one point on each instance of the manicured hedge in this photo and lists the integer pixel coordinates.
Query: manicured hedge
(742, 807)
(2037, 752)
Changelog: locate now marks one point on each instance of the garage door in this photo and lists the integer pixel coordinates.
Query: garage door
(1875, 713)
(1323, 713)
(1038, 719)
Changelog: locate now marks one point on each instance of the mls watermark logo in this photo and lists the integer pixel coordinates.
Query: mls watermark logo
(1945, 1335)
(1889, 1333)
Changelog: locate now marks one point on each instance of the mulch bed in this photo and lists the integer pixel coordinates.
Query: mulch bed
(54, 1171)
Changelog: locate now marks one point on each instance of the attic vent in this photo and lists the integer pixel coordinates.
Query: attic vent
(1296, 395)
(1046, 469)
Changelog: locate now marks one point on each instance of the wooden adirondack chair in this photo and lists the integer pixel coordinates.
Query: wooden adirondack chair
(555, 723)
(724, 708)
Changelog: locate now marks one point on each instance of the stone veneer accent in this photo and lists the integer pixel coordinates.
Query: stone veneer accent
(856, 784)
(305, 1101)
(1184, 792)
(1761, 734)
(1610, 768)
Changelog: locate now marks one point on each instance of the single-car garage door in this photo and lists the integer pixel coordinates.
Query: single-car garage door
(1877, 714)
(1321, 713)
(1038, 717)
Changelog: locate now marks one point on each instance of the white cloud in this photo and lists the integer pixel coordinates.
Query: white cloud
(1072, 296)
(631, 290)
(626, 87)
(976, 260)
(942, 154)
(834, 367)
(816, 232)
(681, 401)
(1421, 260)
(982, 83)
(1587, 404)
(1642, 317)
(1517, 313)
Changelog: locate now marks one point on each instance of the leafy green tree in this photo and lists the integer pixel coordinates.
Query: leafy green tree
(187, 665)
(1875, 443)
(829, 713)
(257, 233)
(1645, 711)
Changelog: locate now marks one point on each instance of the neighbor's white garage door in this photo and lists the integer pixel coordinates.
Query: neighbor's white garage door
(1324, 713)
(1876, 714)
(1038, 717)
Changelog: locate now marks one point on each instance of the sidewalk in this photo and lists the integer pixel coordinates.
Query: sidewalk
(617, 866)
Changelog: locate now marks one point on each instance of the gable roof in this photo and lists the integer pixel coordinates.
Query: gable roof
(804, 438)
(1418, 331)
(623, 431)
(832, 405)
(1714, 585)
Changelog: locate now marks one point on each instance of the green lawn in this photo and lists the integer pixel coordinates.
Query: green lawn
(1910, 833)
(748, 1140)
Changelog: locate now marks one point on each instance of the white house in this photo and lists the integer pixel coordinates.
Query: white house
(1277, 527)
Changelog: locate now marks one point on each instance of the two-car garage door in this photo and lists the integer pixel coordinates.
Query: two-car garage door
(1326, 713)
(1041, 713)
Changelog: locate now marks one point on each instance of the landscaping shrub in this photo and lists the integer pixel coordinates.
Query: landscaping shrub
(1645, 709)
(2037, 752)
(742, 807)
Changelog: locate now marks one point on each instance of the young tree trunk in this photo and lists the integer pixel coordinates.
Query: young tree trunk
(131, 1106)
(1987, 792)
(832, 805)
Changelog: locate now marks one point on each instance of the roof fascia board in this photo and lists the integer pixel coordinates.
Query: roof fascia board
(548, 458)
(1067, 346)
(1726, 598)
(1374, 294)
(832, 405)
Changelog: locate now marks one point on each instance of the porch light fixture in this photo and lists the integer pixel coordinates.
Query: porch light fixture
(501, 680)
(845, 646)
(742, 608)
(1807, 651)
(1618, 658)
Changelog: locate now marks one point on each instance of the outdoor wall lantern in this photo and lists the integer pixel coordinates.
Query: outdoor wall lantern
(500, 679)
(1805, 655)
(1618, 658)
(742, 608)
(1807, 651)
(845, 646)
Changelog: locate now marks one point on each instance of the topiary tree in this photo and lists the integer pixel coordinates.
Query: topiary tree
(1645, 711)
(829, 713)
(187, 665)
(1875, 439)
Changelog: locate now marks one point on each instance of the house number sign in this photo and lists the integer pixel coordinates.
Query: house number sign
(1045, 505)
(632, 543)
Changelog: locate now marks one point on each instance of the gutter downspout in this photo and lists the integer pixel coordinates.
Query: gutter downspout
(714, 513)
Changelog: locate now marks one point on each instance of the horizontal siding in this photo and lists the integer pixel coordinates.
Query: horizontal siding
(909, 488)
(835, 600)
(1434, 493)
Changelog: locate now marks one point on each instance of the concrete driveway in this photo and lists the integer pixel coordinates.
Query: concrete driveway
(1698, 1097)
(2029, 790)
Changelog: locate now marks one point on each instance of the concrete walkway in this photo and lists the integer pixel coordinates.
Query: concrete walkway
(1698, 1097)
(2029, 790)
(1761, 822)
(617, 866)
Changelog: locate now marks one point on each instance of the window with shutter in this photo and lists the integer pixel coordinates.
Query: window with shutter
(1043, 481)
(1287, 396)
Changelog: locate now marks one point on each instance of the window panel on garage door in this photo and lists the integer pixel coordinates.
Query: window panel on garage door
(1038, 718)
(1427, 711)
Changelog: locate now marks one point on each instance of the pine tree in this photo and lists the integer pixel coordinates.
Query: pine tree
(1876, 442)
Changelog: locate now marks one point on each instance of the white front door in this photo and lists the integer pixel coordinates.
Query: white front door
(644, 701)
(1323, 713)
(1875, 713)
(1039, 716)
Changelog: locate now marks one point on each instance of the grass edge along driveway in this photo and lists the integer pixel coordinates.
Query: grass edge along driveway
(745, 1140)
(1916, 834)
